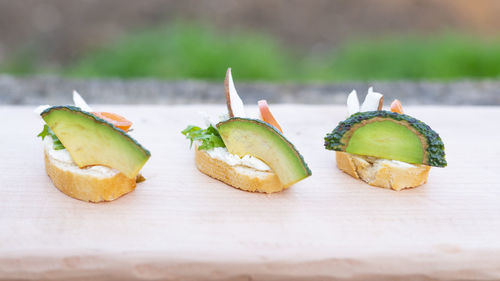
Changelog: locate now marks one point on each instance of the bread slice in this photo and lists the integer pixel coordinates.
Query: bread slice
(242, 177)
(382, 172)
(92, 184)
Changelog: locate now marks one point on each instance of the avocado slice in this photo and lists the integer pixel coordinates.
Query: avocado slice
(244, 136)
(388, 135)
(93, 141)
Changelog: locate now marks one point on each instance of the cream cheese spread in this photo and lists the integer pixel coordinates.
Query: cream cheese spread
(396, 163)
(221, 153)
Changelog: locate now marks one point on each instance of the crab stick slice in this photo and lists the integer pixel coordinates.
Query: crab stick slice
(267, 116)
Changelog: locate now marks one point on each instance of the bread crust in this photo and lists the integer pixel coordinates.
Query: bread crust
(382, 173)
(244, 178)
(87, 187)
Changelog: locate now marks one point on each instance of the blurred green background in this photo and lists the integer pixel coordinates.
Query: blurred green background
(314, 41)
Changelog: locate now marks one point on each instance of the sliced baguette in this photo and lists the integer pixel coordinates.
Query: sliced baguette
(381, 172)
(91, 184)
(242, 177)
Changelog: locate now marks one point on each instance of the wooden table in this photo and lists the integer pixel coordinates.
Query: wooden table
(183, 225)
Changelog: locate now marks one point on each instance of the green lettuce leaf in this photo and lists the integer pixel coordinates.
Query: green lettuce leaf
(48, 132)
(209, 137)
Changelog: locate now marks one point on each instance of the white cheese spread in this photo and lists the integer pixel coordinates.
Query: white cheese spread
(221, 153)
(396, 163)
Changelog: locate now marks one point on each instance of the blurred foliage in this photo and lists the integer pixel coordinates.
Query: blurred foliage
(440, 57)
(195, 51)
(188, 51)
(25, 61)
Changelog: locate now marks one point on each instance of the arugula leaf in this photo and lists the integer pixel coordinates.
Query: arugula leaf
(208, 137)
(190, 133)
(48, 132)
(58, 145)
(44, 132)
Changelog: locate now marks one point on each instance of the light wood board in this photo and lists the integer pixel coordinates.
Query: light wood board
(183, 225)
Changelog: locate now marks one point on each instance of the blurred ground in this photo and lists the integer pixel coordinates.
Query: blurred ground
(56, 90)
(62, 30)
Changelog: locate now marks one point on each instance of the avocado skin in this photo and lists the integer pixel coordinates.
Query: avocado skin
(262, 123)
(96, 119)
(435, 148)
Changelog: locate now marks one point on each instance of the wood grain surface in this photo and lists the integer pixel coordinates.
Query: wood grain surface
(182, 225)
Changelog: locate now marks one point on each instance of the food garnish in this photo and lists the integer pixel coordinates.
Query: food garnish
(209, 138)
(267, 116)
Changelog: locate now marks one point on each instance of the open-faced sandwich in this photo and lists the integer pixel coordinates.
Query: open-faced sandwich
(89, 155)
(247, 153)
(384, 148)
